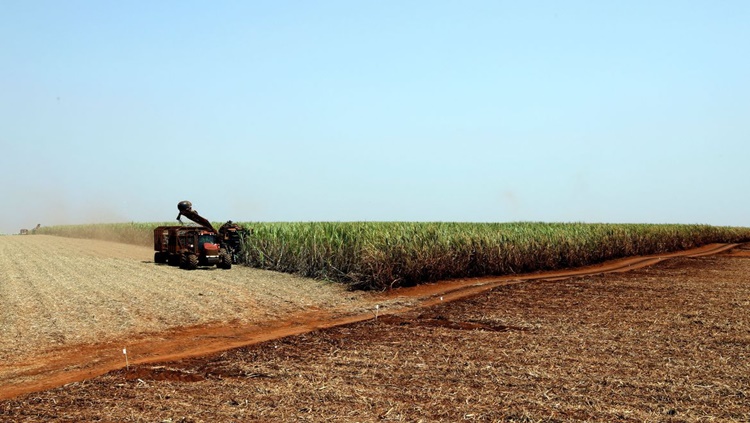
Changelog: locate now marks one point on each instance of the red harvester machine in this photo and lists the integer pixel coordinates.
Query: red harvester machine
(191, 246)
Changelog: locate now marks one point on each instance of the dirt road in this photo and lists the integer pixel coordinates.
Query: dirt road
(69, 307)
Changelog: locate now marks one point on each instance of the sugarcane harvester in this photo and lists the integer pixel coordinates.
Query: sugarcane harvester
(193, 246)
(233, 236)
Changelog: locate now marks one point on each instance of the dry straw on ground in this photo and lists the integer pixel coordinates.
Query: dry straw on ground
(59, 291)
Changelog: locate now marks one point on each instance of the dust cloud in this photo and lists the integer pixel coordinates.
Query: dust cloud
(50, 207)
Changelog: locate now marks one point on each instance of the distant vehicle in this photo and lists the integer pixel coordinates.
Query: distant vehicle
(26, 231)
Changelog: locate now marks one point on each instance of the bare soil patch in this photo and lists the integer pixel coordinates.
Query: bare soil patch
(669, 342)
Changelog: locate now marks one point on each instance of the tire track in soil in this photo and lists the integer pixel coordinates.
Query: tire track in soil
(73, 364)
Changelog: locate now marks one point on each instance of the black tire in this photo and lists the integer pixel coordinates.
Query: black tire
(189, 261)
(192, 262)
(160, 257)
(173, 260)
(225, 260)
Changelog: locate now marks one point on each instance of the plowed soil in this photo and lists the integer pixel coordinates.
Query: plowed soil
(668, 342)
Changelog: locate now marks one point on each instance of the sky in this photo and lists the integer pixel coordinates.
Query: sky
(467, 111)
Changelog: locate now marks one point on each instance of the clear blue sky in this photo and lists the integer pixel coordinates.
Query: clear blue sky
(586, 111)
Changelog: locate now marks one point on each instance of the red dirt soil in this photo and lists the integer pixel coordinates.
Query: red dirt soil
(73, 364)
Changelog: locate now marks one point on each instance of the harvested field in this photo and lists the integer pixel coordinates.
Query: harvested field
(58, 296)
(664, 343)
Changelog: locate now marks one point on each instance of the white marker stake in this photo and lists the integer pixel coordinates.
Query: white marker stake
(127, 365)
(377, 308)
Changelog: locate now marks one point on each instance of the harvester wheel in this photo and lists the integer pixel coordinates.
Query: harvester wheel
(160, 257)
(225, 260)
(189, 261)
(192, 262)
